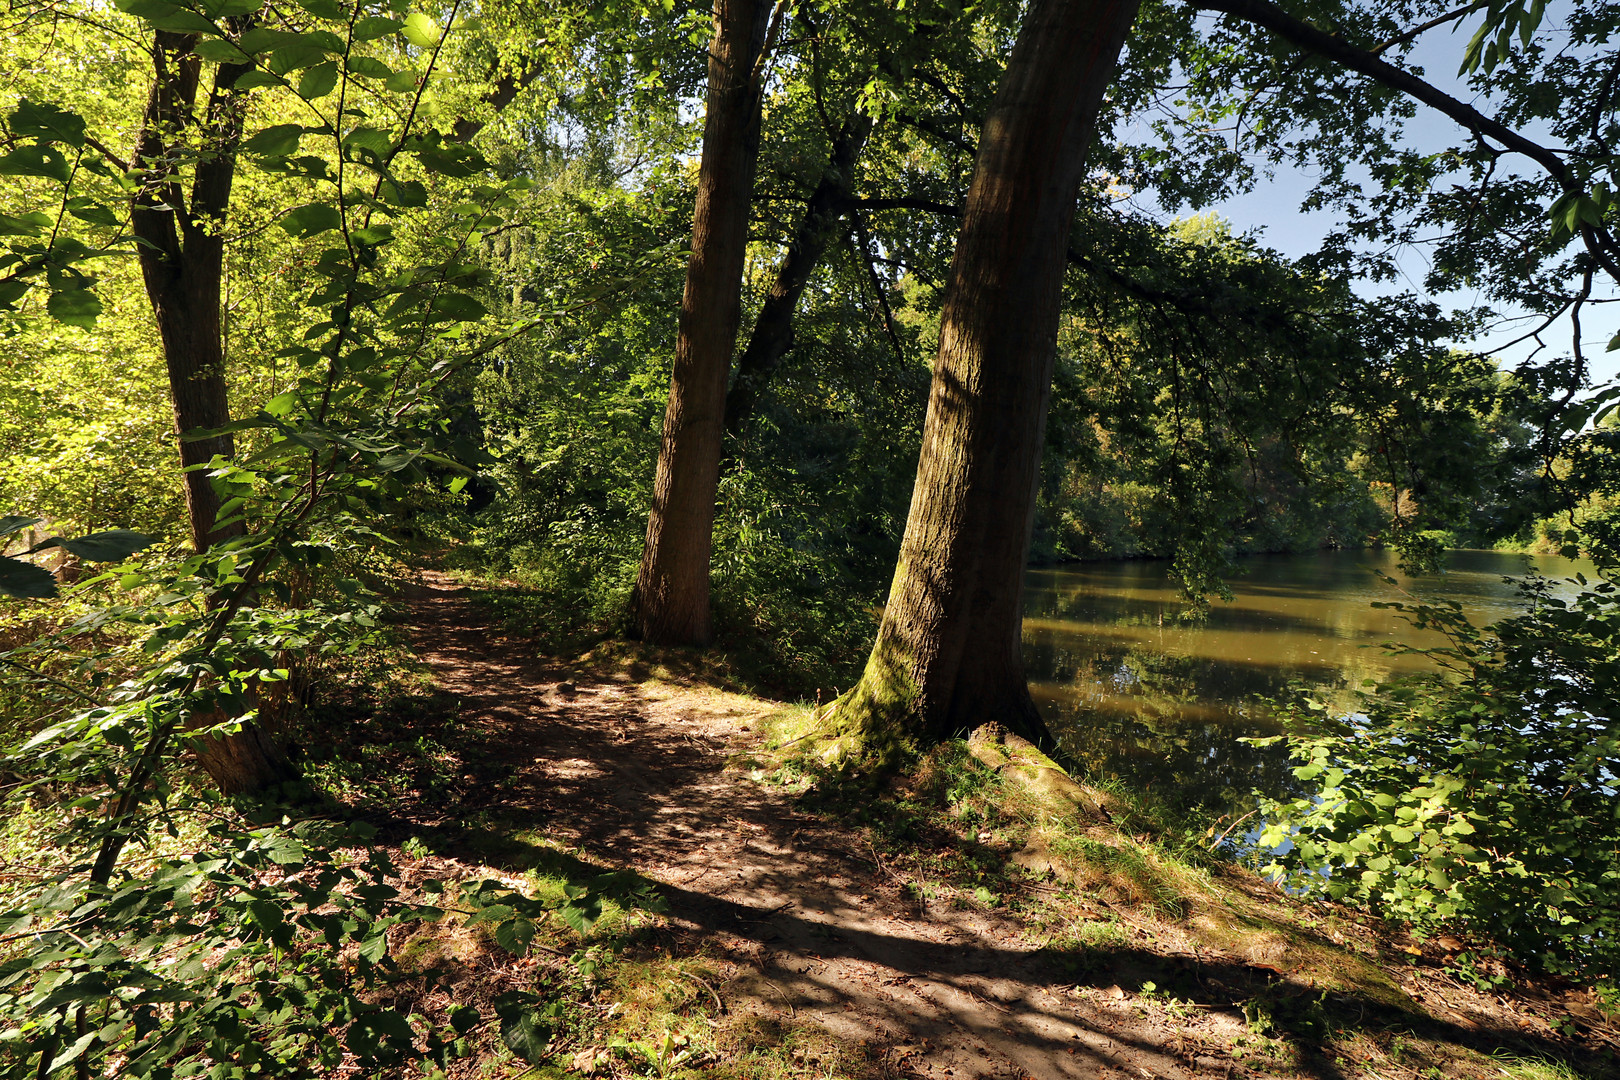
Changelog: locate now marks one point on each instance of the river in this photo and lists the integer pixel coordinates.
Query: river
(1136, 692)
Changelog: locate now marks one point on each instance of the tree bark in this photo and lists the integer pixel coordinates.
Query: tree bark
(773, 329)
(182, 258)
(671, 600)
(948, 652)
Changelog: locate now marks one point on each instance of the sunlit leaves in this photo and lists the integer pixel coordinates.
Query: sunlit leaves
(1481, 802)
(421, 31)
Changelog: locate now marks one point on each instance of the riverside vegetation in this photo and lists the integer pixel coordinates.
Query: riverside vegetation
(632, 317)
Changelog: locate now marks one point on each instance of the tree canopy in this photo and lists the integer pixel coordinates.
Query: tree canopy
(656, 311)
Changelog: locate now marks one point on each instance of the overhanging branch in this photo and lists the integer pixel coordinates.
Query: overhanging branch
(1366, 62)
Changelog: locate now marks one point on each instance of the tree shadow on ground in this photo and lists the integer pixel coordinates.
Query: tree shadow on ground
(517, 764)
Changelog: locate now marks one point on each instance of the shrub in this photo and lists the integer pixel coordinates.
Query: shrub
(1480, 796)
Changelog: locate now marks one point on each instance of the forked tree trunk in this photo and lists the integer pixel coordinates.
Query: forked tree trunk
(948, 652)
(182, 257)
(773, 329)
(671, 601)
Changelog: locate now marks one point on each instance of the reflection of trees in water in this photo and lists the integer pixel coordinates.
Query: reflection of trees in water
(1124, 703)
(1169, 724)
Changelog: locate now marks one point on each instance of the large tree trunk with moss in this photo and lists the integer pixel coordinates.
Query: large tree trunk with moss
(773, 329)
(948, 652)
(671, 601)
(182, 256)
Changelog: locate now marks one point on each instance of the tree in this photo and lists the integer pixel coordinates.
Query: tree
(947, 654)
(671, 601)
(189, 149)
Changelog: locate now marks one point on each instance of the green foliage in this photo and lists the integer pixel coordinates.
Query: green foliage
(1481, 797)
(19, 578)
(250, 949)
(260, 951)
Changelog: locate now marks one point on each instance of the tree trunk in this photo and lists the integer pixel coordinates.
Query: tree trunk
(671, 601)
(773, 329)
(948, 652)
(182, 260)
(182, 257)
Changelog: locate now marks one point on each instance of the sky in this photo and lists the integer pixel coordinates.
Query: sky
(1271, 211)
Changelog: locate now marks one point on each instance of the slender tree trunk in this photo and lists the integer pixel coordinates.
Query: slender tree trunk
(182, 258)
(948, 652)
(773, 329)
(671, 601)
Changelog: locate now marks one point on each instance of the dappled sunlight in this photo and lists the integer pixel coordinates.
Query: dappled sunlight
(812, 927)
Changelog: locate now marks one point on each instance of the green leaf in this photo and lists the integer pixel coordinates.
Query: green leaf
(463, 1018)
(514, 935)
(318, 81)
(33, 223)
(456, 307)
(368, 143)
(287, 60)
(74, 307)
(405, 194)
(18, 578)
(262, 39)
(278, 141)
(182, 21)
(401, 82)
(369, 67)
(114, 545)
(421, 31)
(454, 160)
(226, 9)
(383, 1035)
(46, 122)
(221, 51)
(375, 236)
(375, 26)
(374, 948)
(11, 523)
(521, 1028)
(36, 160)
(312, 219)
(255, 79)
(86, 209)
(324, 9)
(146, 9)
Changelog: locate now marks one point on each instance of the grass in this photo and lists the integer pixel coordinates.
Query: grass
(1137, 904)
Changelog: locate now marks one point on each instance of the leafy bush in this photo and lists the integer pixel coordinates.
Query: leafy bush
(1481, 796)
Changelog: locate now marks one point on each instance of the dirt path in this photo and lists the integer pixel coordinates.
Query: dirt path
(821, 932)
(814, 927)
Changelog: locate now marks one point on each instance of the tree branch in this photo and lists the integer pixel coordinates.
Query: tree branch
(907, 203)
(502, 94)
(1270, 17)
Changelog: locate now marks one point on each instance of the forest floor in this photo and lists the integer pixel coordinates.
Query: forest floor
(817, 931)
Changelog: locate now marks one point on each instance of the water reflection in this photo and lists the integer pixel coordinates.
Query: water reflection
(1133, 691)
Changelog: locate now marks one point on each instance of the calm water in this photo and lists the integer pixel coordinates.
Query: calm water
(1134, 691)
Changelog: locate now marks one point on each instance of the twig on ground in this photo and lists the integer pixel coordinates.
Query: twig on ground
(718, 1004)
